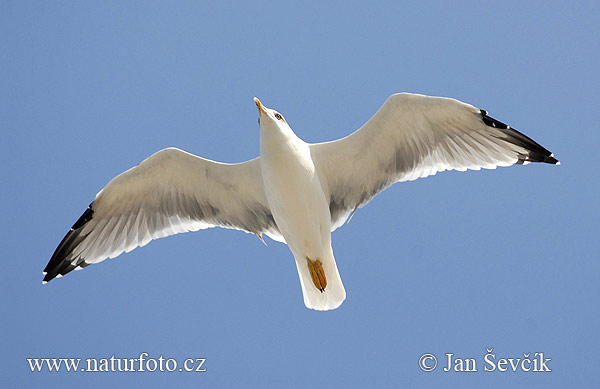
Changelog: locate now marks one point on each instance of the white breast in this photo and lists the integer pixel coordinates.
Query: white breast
(295, 196)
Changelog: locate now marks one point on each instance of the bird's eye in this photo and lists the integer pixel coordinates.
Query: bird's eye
(278, 116)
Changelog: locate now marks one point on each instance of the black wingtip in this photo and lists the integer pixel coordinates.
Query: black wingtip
(490, 121)
(535, 151)
(83, 219)
(60, 263)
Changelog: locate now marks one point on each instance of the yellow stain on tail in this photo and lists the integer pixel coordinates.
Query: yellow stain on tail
(317, 273)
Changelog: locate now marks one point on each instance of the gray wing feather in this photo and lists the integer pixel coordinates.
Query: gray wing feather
(414, 136)
(170, 192)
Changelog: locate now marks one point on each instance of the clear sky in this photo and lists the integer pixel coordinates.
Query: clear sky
(449, 264)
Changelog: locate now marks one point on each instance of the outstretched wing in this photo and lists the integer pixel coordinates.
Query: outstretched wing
(170, 192)
(413, 136)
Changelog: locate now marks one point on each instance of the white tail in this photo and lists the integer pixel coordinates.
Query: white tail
(334, 293)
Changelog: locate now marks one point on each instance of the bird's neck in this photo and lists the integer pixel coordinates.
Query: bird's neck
(276, 140)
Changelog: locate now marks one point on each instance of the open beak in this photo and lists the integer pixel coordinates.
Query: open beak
(261, 108)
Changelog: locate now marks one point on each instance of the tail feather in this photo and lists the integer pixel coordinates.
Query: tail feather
(333, 295)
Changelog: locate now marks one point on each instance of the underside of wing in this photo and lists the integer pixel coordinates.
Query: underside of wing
(170, 192)
(414, 136)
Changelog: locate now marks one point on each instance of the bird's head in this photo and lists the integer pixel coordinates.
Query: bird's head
(271, 120)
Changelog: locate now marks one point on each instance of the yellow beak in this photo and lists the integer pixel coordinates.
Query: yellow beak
(261, 108)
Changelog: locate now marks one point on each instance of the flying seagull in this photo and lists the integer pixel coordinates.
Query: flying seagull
(294, 192)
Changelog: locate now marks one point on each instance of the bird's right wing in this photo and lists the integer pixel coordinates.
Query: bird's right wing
(413, 136)
(170, 192)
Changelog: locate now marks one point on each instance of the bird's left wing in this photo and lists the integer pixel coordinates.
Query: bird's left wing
(170, 192)
(413, 136)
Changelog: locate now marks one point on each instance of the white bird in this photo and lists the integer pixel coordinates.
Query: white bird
(294, 192)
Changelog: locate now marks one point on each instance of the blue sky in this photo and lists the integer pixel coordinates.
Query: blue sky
(450, 264)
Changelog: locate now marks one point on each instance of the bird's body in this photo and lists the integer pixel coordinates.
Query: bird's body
(294, 192)
(301, 210)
